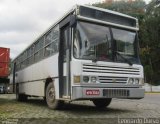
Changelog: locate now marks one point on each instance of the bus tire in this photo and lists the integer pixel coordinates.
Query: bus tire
(102, 103)
(50, 97)
(20, 97)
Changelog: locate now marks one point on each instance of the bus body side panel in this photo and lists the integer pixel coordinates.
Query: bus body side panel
(32, 79)
(35, 88)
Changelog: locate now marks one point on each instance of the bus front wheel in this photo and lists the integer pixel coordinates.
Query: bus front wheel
(102, 103)
(50, 97)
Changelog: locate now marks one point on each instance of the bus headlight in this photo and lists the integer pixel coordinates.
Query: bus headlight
(131, 81)
(77, 79)
(93, 79)
(136, 81)
(141, 82)
(86, 79)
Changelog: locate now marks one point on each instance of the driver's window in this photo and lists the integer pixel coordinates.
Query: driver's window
(92, 41)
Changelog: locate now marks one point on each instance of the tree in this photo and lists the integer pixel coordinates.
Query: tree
(150, 38)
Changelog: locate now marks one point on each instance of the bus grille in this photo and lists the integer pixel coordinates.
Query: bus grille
(110, 69)
(106, 79)
(115, 93)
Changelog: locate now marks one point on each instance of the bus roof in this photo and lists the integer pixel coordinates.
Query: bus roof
(75, 9)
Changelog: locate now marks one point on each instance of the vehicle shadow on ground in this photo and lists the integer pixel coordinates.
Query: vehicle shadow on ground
(77, 108)
(91, 109)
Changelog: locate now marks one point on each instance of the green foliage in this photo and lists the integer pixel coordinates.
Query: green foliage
(149, 33)
(150, 37)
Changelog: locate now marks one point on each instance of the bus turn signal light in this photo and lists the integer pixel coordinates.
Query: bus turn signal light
(77, 79)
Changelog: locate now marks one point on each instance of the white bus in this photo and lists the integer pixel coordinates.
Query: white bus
(89, 54)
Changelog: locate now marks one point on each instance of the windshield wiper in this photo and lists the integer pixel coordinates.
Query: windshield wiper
(129, 62)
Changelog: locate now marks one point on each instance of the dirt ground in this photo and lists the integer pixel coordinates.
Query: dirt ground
(35, 110)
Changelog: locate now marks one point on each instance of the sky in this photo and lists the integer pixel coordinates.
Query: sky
(22, 21)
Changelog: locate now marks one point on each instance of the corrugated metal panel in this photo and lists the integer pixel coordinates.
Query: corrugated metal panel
(4, 62)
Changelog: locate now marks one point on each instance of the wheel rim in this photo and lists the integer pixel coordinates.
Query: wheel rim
(51, 95)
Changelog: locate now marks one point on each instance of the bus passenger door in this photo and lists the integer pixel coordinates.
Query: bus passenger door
(64, 62)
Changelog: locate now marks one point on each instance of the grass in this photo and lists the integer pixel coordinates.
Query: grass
(9, 107)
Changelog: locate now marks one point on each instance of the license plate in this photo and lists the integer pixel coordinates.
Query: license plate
(92, 92)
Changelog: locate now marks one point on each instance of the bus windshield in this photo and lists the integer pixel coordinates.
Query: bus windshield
(92, 41)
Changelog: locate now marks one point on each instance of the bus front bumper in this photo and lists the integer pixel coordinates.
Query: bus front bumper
(97, 93)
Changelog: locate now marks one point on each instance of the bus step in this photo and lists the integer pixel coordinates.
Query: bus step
(66, 97)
